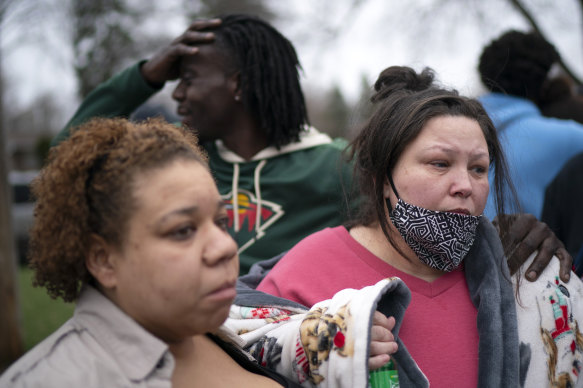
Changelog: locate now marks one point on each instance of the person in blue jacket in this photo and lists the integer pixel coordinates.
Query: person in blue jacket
(514, 68)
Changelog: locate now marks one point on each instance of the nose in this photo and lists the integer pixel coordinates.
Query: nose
(178, 93)
(219, 247)
(461, 185)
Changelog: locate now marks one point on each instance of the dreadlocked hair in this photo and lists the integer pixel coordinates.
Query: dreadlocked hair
(269, 75)
(517, 63)
(86, 188)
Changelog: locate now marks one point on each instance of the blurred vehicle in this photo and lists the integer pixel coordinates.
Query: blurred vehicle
(22, 210)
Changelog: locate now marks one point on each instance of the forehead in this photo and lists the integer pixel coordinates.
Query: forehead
(450, 132)
(180, 183)
(451, 127)
(210, 56)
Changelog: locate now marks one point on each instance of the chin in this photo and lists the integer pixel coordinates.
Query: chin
(217, 319)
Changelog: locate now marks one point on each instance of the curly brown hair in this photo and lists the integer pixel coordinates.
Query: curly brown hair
(87, 188)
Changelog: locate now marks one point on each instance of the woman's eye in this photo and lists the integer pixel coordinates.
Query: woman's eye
(439, 164)
(182, 233)
(480, 170)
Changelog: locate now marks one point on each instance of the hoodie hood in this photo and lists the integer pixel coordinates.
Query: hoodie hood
(504, 109)
(311, 137)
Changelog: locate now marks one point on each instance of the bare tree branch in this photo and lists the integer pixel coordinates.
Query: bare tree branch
(11, 346)
(527, 15)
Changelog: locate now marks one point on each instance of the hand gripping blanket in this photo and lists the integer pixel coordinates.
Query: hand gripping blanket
(325, 346)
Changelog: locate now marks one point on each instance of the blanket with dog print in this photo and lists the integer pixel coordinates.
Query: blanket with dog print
(326, 345)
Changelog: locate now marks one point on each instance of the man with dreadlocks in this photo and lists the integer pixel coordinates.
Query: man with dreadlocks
(281, 179)
(239, 90)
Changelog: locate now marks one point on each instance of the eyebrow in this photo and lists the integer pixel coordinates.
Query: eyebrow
(189, 211)
(448, 150)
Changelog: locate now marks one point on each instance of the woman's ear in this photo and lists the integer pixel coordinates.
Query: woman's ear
(100, 262)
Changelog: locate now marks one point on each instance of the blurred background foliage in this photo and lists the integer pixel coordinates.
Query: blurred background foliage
(104, 36)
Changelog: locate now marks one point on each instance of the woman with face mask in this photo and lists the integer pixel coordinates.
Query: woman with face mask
(422, 160)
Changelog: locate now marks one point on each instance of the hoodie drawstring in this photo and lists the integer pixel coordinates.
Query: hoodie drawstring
(235, 191)
(257, 174)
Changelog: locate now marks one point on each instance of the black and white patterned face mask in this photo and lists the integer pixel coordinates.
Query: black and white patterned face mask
(440, 239)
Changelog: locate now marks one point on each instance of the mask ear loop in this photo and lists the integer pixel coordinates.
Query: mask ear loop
(389, 206)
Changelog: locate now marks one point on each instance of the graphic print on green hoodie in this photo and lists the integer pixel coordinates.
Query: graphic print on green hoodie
(282, 196)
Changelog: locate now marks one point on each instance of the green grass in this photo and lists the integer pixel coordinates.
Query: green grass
(40, 315)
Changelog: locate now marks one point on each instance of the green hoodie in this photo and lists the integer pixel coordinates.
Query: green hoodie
(282, 195)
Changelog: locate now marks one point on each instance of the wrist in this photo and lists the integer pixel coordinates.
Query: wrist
(156, 84)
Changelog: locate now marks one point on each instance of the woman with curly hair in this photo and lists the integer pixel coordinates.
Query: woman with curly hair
(129, 224)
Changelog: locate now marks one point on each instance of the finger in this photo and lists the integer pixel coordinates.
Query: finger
(512, 229)
(194, 37)
(197, 37)
(378, 361)
(540, 238)
(522, 252)
(566, 261)
(377, 348)
(182, 50)
(381, 333)
(537, 238)
(204, 24)
(540, 261)
(547, 243)
(379, 319)
(519, 226)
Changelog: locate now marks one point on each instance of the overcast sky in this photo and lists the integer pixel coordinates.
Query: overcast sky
(336, 43)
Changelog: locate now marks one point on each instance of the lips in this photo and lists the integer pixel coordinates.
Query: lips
(182, 111)
(225, 292)
(460, 211)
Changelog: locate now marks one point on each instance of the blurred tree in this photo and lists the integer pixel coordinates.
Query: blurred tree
(328, 110)
(336, 113)
(523, 10)
(29, 125)
(210, 8)
(42, 147)
(488, 15)
(362, 109)
(103, 38)
(11, 346)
